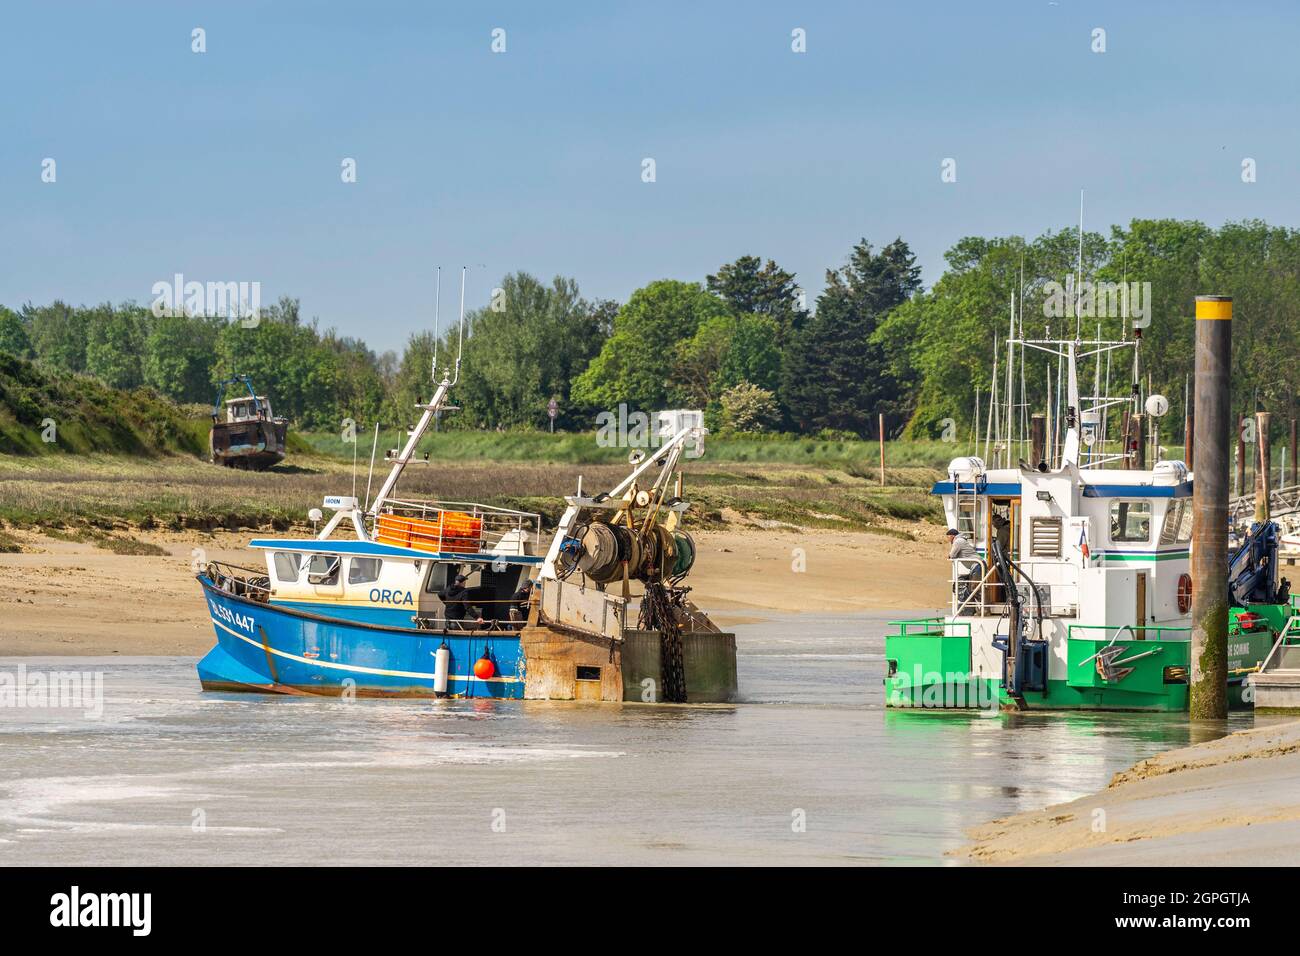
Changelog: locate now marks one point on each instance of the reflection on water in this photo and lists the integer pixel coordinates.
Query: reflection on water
(171, 775)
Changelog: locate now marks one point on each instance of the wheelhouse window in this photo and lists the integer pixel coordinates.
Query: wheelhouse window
(1170, 528)
(1178, 523)
(363, 570)
(287, 565)
(1130, 521)
(1177, 528)
(324, 569)
(1184, 534)
(440, 575)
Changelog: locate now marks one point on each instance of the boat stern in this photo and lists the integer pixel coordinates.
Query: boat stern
(928, 665)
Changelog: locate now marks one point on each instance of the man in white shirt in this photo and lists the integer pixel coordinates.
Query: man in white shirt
(960, 547)
(968, 561)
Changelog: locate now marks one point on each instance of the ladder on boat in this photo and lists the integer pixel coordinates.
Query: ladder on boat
(967, 503)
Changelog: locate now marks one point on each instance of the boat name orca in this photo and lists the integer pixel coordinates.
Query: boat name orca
(385, 596)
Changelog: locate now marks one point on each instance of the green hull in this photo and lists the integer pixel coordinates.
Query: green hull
(931, 669)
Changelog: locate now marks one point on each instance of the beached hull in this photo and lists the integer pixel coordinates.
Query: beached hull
(269, 649)
(255, 445)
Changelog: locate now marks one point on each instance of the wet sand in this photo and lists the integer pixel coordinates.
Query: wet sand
(74, 598)
(1234, 801)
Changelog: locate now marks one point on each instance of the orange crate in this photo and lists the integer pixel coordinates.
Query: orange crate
(450, 531)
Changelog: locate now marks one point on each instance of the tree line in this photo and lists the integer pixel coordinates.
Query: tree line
(743, 344)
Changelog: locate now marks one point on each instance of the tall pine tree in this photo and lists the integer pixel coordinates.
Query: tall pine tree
(750, 287)
(834, 375)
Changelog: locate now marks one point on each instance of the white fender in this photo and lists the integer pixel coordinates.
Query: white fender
(441, 668)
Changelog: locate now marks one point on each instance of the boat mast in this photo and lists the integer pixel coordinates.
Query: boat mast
(1098, 401)
(1070, 453)
(430, 410)
(1050, 451)
(1070, 446)
(1078, 281)
(1011, 359)
(1024, 404)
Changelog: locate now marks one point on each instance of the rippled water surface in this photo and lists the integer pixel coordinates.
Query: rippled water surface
(169, 774)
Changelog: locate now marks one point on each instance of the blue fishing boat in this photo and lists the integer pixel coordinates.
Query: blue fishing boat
(429, 598)
(371, 617)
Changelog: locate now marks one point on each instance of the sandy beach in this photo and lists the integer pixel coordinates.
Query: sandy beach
(74, 597)
(1234, 801)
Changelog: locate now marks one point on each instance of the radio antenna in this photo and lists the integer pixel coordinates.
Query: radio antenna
(437, 301)
(373, 445)
(1078, 288)
(461, 342)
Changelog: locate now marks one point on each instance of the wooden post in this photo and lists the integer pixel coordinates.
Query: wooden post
(882, 449)
(1208, 693)
(1263, 465)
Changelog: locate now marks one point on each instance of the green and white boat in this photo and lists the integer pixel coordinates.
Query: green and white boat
(1079, 596)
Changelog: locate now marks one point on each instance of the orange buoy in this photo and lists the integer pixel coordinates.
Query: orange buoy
(483, 667)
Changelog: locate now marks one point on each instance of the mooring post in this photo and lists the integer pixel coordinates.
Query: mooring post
(1263, 465)
(1208, 694)
(882, 449)
(1037, 440)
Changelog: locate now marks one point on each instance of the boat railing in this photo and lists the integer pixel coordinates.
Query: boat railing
(1285, 638)
(929, 627)
(462, 626)
(1136, 632)
(239, 580)
(464, 527)
(977, 592)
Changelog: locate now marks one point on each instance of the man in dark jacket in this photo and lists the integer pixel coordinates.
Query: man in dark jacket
(455, 599)
(519, 602)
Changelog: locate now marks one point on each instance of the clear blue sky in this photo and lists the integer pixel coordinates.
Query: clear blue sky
(226, 165)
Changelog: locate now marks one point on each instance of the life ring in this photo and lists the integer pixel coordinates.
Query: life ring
(1184, 593)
